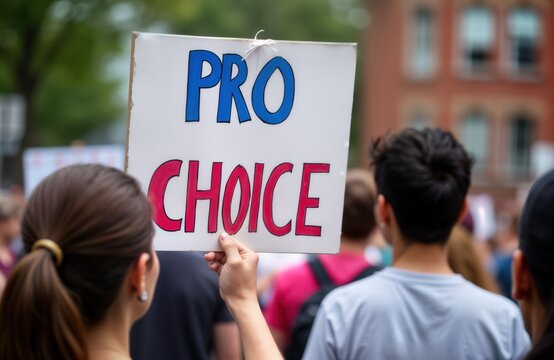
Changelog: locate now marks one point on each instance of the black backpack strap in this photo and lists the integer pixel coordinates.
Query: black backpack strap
(367, 272)
(319, 272)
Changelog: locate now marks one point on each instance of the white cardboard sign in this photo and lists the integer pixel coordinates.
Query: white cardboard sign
(244, 136)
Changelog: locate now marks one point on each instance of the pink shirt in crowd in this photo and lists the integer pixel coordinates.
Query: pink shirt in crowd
(293, 286)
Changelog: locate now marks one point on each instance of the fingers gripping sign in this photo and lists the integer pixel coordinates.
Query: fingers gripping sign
(236, 267)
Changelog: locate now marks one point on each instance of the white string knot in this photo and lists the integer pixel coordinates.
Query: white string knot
(258, 43)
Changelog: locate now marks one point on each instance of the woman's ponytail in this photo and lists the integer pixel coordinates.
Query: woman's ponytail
(38, 317)
(102, 221)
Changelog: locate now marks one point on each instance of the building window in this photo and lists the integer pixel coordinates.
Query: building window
(475, 138)
(524, 32)
(477, 38)
(423, 59)
(521, 131)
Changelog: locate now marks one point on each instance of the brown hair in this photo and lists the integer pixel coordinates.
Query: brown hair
(101, 220)
(358, 219)
(464, 259)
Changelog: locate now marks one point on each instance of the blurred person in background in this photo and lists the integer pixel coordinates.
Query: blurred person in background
(378, 251)
(418, 308)
(505, 244)
(293, 286)
(464, 259)
(18, 196)
(187, 318)
(533, 267)
(9, 231)
(269, 266)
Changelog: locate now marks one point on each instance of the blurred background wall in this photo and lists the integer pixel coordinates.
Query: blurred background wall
(483, 69)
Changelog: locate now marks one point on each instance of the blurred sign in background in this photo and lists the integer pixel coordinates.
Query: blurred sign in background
(38, 163)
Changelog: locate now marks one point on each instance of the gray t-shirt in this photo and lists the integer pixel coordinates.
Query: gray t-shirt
(397, 314)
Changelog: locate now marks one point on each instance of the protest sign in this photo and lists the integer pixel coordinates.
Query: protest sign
(244, 136)
(38, 163)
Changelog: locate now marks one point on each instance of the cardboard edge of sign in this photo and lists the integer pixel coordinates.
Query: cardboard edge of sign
(134, 36)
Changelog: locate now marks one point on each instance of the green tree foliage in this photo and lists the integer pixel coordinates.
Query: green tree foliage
(54, 53)
(313, 20)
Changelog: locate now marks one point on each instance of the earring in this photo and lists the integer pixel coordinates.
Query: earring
(143, 296)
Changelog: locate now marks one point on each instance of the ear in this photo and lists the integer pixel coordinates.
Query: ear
(139, 271)
(522, 282)
(382, 211)
(463, 211)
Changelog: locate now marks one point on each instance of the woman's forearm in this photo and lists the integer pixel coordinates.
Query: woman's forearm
(236, 267)
(257, 341)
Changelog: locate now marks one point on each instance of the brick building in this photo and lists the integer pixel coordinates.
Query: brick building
(482, 69)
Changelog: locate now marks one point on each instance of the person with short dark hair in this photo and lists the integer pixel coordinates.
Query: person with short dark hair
(294, 285)
(533, 270)
(418, 308)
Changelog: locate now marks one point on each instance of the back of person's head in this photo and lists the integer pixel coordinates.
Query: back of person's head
(464, 259)
(358, 220)
(536, 242)
(425, 176)
(101, 221)
(8, 208)
(9, 219)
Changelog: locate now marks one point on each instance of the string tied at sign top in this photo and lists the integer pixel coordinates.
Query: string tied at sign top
(258, 43)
